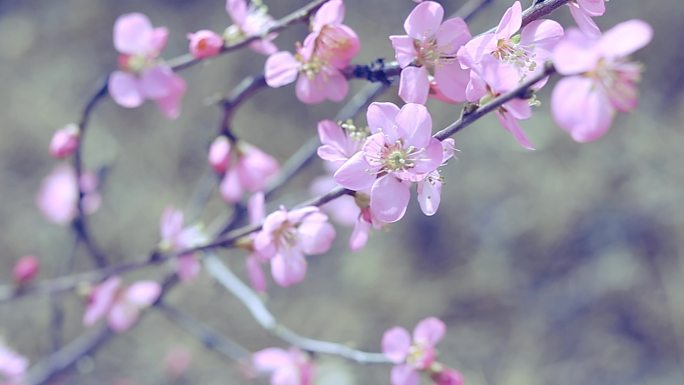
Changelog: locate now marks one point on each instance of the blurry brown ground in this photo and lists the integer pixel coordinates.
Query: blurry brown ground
(558, 266)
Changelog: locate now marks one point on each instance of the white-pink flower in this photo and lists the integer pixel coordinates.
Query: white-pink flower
(121, 305)
(287, 367)
(526, 51)
(65, 141)
(600, 79)
(492, 78)
(205, 43)
(142, 76)
(412, 356)
(175, 237)
(287, 236)
(245, 168)
(250, 20)
(57, 198)
(12, 365)
(583, 11)
(428, 53)
(400, 151)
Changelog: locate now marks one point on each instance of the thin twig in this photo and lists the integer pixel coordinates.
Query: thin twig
(268, 321)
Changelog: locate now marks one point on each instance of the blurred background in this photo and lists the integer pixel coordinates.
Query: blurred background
(557, 266)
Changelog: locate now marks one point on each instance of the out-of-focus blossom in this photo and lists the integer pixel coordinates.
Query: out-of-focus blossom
(121, 305)
(287, 367)
(246, 168)
(65, 141)
(600, 79)
(287, 236)
(58, 195)
(141, 75)
(319, 60)
(493, 78)
(447, 376)
(400, 151)
(583, 11)
(177, 361)
(250, 20)
(205, 43)
(25, 269)
(12, 365)
(175, 237)
(428, 54)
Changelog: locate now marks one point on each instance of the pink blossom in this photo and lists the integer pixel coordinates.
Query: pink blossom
(121, 305)
(287, 367)
(58, 195)
(411, 357)
(219, 154)
(248, 170)
(286, 237)
(447, 376)
(583, 11)
(429, 52)
(12, 365)
(205, 43)
(400, 151)
(317, 66)
(601, 81)
(250, 21)
(493, 78)
(175, 238)
(65, 141)
(25, 269)
(526, 51)
(141, 75)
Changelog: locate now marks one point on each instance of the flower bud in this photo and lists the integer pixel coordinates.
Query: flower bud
(65, 141)
(25, 270)
(205, 43)
(219, 154)
(447, 376)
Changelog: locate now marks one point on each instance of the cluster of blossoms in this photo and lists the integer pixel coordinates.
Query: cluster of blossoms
(176, 238)
(12, 366)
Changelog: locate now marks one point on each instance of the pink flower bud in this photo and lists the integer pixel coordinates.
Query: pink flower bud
(205, 43)
(219, 154)
(65, 141)
(447, 377)
(25, 270)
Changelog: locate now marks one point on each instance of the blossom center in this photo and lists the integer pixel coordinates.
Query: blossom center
(286, 235)
(312, 67)
(618, 80)
(397, 158)
(512, 52)
(430, 54)
(134, 63)
(420, 356)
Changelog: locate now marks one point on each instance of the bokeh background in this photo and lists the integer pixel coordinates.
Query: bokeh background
(558, 266)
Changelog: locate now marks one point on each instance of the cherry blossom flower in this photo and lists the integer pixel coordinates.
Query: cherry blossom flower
(583, 11)
(429, 52)
(58, 195)
(204, 44)
(286, 237)
(493, 78)
(287, 367)
(250, 20)
(601, 81)
(411, 357)
(526, 51)
(121, 305)
(12, 365)
(317, 66)
(65, 141)
(25, 269)
(141, 75)
(175, 237)
(400, 151)
(245, 168)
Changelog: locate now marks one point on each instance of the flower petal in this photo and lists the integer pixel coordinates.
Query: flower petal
(430, 331)
(381, 117)
(143, 293)
(424, 20)
(510, 22)
(510, 123)
(389, 198)
(414, 85)
(133, 34)
(625, 38)
(124, 88)
(288, 267)
(452, 80)
(281, 69)
(415, 125)
(430, 193)
(354, 173)
(404, 49)
(404, 375)
(395, 344)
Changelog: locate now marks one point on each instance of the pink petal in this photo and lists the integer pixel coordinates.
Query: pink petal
(381, 117)
(288, 268)
(395, 344)
(143, 294)
(100, 300)
(542, 35)
(336, 85)
(256, 276)
(424, 20)
(188, 267)
(415, 125)
(133, 34)
(510, 123)
(429, 194)
(237, 10)
(452, 80)
(315, 234)
(170, 104)
(480, 46)
(429, 331)
(231, 188)
(160, 36)
(625, 38)
(359, 236)
(452, 34)
(510, 22)
(219, 154)
(584, 21)
(263, 46)
(156, 82)
(58, 195)
(123, 316)
(575, 54)
(286, 375)
(171, 224)
(256, 209)
(256, 168)
(311, 91)
(281, 69)
(414, 85)
(404, 49)
(404, 375)
(593, 7)
(354, 173)
(125, 89)
(270, 359)
(389, 198)
(332, 12)
(519, 108)
(580, 109)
